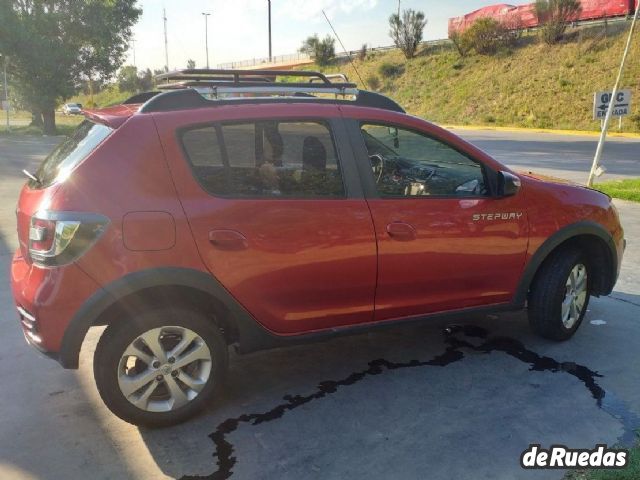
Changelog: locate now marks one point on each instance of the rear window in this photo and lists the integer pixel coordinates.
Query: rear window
(68, 154)
(265, 158)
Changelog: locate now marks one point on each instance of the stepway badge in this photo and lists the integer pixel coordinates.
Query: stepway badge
(621, 106)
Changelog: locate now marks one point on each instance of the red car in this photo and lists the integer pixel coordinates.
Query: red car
(232, 209)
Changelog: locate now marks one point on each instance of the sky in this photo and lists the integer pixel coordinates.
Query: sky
(238, 29)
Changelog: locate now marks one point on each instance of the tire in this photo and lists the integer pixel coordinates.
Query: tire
(552, 289)
(158, 402)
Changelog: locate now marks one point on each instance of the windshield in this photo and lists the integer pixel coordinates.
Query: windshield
(68, 154)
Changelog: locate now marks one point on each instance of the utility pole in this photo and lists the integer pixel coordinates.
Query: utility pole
(166, 43)
(206, 36)
(595, 168)
(6, 91)
(133, 46)
(270, 55)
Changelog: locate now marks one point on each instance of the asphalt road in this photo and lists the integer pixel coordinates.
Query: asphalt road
(357, 407)
(566, 156)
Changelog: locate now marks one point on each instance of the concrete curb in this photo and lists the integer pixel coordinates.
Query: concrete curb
(541, 130)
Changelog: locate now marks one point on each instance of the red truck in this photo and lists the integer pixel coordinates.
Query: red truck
(524, 16)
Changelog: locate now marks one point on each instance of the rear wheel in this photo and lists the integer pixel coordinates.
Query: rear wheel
(161, 367)
(560, 295)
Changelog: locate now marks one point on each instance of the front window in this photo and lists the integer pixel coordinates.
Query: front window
(408, 164)
(265, 158)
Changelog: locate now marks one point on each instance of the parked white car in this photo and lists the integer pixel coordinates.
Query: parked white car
(72, 109)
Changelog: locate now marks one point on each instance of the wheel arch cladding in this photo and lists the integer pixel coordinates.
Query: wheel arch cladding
(162, 287)
(593, 239)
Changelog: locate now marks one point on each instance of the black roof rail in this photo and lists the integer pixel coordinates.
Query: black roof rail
(199, 88)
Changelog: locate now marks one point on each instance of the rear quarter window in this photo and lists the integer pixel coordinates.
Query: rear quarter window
(68, 154)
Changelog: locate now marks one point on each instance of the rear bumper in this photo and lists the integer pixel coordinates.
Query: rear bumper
(46, 299)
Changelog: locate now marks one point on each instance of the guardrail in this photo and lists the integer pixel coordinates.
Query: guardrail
(301, 57)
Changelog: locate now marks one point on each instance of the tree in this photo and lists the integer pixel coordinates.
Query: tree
(128, 80)
(406, 31)
(55, 45)
(146, 81)
(554, 16)
(191, 64)
(322, 51)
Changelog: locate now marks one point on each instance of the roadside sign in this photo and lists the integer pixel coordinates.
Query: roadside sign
(5, 104)
(621, 106)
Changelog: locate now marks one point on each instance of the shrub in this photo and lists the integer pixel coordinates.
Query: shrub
(458, 42)
(486, 36)
(406, 31)
(373, 82)
(387, 70)
(554, 16)
(322, 51)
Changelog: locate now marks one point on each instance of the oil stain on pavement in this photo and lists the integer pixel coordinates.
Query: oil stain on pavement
(458, 339)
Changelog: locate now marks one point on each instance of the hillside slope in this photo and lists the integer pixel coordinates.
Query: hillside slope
(533, 85)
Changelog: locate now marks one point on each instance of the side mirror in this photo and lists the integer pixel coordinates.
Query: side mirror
(508, 184)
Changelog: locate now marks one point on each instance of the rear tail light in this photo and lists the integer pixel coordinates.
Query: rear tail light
(59, 238)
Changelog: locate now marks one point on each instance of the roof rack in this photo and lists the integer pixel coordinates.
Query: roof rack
(224, 82)
(197, 88)
(239, 76)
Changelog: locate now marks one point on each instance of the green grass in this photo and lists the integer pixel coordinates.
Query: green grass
(533, 85)
(624, 189)
(65, 125)
(632, 472)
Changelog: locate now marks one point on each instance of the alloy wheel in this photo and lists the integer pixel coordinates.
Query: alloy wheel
(164, 368)
(575, 295)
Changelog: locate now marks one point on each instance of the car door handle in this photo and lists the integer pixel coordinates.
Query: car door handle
(401, 231)
(228, 240)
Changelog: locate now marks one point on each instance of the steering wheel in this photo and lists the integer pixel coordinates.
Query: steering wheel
(377, 165)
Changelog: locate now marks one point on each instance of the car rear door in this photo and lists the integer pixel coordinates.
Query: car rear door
(277, 211)
(445, 241)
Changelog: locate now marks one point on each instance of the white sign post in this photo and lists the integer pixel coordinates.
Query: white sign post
(621, 106)
(595, 167)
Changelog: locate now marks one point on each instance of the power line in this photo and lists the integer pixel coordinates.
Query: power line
(345, 50)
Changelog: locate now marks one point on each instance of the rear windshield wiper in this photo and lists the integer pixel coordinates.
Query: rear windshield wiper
(32, 176)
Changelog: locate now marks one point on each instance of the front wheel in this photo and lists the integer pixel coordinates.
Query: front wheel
(161, 367)
(560, 295)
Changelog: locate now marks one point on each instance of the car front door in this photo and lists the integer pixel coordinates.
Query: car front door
(446, 241)
(278, 214)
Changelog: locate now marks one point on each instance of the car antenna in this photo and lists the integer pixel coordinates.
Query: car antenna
(364, 85)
